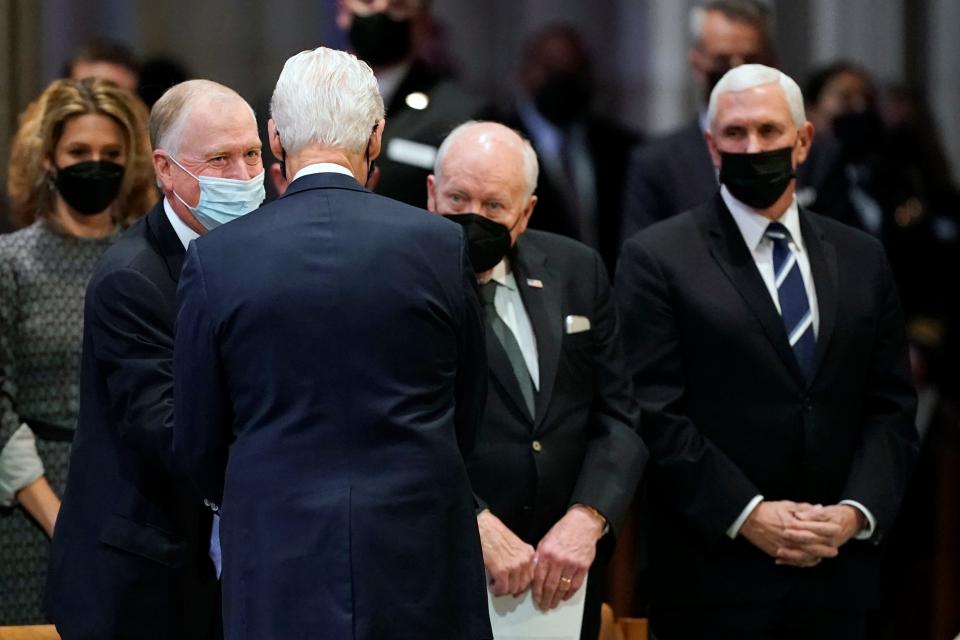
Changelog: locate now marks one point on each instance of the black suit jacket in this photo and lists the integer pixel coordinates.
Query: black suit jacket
(581, 447)
(404, 177)
(329, 358)
(129, 552)
(729, 415)
(675, 174)
(609, 147)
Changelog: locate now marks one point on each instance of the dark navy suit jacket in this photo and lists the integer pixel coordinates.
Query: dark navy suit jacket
(129, 553)
(329, 360)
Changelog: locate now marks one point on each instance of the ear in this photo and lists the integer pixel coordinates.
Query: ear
(278, 179)
(525, 216)
(273, 138)
(431, 193)
(376, 139)
(712, 147)
(163, 168)
(804, 140)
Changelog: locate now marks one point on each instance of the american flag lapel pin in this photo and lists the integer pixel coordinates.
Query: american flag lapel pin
(533, 283)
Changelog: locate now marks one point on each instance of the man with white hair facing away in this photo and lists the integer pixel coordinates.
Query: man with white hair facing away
(767, 348)
(329, 367)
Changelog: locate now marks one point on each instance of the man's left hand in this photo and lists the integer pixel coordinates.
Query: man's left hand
(564, 557)
(809, 538)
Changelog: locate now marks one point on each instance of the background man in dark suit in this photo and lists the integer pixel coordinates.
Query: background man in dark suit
(557, 456)
(674, 173)
(768, 352)
(129, 556)
(329, 360)
(423, 102)
(583, 157)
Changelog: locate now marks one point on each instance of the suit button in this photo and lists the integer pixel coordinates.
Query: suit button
(537, 446)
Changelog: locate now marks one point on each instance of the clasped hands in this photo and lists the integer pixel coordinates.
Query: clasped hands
(554, 571)
(801, 534)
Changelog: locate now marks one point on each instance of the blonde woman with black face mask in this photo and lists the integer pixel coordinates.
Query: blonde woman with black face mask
(79, 172)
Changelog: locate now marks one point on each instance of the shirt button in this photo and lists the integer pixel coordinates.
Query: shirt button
(536, 446)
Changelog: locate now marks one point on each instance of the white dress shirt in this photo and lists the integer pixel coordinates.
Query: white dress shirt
(752, 226)
(323, 167)
(185, 233)
(509, 306)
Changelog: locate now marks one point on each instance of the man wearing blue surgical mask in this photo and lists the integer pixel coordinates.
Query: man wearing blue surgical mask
(129, 556)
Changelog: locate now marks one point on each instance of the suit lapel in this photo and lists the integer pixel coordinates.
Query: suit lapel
(736, 261)
(823, 267)
(543, 306)
(165, 240)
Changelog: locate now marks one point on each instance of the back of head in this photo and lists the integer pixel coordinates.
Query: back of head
(749, 76)
(328, 99)
(41, 126)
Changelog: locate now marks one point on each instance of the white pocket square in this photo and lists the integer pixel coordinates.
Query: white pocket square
(577, 324)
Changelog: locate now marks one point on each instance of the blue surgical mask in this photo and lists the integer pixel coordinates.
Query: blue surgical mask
(223, 199)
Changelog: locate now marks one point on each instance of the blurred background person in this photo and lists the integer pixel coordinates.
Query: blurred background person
(108, 60)
(583, 157)
(674, 173)
(423, 103)
(79, 172)
(157, 74)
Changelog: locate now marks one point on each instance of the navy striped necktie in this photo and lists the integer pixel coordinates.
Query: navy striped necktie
(794, 305)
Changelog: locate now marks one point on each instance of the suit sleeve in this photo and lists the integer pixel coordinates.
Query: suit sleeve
(203, 412)
(471, 382)
(615, 456)
(693, 477)
(132, 336)
(888, 441)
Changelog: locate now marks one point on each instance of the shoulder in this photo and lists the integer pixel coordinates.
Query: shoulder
(131, 252)
(558, 249)
(670, 234)
(666, 145)
(847, 239)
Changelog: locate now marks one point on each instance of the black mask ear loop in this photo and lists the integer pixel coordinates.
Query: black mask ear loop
(283, 157)
(371, 164)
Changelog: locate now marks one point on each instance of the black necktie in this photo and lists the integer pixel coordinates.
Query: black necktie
(509, 342)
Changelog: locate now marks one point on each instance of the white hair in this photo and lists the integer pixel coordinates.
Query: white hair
(748, 76)
(531, 168)
(326, 98)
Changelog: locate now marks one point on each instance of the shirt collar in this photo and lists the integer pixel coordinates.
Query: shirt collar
(323, 167)
(752, 225)
(185, 233)
(503, 275)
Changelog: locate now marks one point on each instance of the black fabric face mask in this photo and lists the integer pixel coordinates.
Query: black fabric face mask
(488, 241)
(379, 40)
(757, 179)
(89, 187)
(563, 98)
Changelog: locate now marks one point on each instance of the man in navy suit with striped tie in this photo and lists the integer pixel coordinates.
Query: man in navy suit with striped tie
(767, 349)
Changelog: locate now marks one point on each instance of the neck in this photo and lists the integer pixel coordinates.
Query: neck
(99, 225)
(184, 214)
(778, 208)
(354, 162)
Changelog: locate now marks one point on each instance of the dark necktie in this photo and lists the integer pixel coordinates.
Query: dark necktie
(794, 306)
(509, 342)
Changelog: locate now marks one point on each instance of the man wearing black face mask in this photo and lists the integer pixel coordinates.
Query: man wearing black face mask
(557, 456)
(422, 102)
(674, 173)
(583, 156)
(768, 352)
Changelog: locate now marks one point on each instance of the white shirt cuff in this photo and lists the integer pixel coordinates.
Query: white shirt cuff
(20, 464)
(735, 527)
(867, 532)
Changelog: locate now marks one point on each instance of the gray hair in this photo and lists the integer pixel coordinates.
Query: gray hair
(753, 12)
(168, 116)
(531, 168)
(748, 76)
(328, 98)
